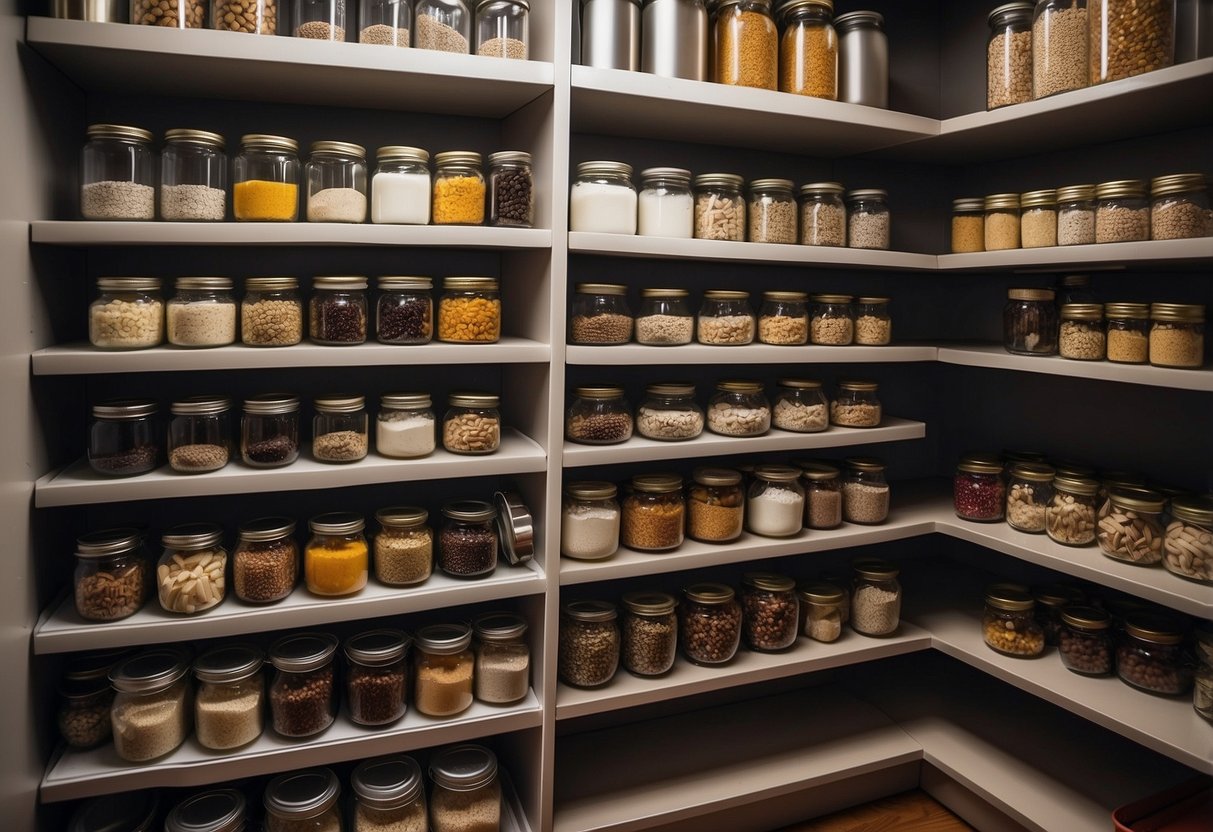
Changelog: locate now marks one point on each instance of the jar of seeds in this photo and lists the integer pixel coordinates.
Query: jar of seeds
(128, 314)
(376, 681)
(112, 577)
(229, 706)
(968, 225)
(271, 314)
(467, 543)
(151, 712)
(868, 218)
(865, 491)
(1029, 491)
(319, 20)
(1179, 207)
(511, 182)
(1122, 211)
(876, 598)
(1009, 56)
(1177, 335)
(653, 513)
(503, 658)
(821, 611)
(1151, 655)
(709, 624)
(599, 415)
(467, 792)
(1002, 222)
(1128, 334)
(444, 669)
(303, 801)
(118, 174)
(650, 633)
(303, 692)
(193, 176)
(665, 318)
(199, 435)
(340, 429)
(385, 23)
(265, 562)
(823, 216)
(444, 26)
(822, 495)
(1038, 219)
(389, 793)
(600, 315)
(589, 643)
(404, 547)
(715, 505)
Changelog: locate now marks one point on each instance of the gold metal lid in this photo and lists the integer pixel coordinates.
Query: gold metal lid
(486, 284)
(599, 392)
(739, 386)
(1177, 183)
(980, 464)
(402, 153)
(601, 166)
(1082, 311)
(730, 181)
(777, 473)
(265, 529)
(725, 294)
(819, 471)
(1012, 9)
(401, 517)
(472, 399)
(1137, 499)
(1001, 201)
(832, 298)
(590, 611)
(502, 157)
(680, 175)
(469, 511)
(709, 593)
(331, 148)
(1009, 597)
(351, 282)
(405, 401)
(1033, 472)
(875, 569)
(670, 390)
(1074, 281)
(457, 158)
(1119, 311)
(264, 141)
(182, 136)
(406, 282)
(768, 581)
(1192, 509)
(337, 522)
(820, 593)
(339, 404)
(1193, 313)
(200, 406)
(271, 404)
(649, 603)
(787, 297)
(664, 293)
(1080, 486)
(128, 284)
(789, 6)
(656, 483)
(815, 188)
(1120, 188)
(601, 289)
(866, 193)
(591, 490)
(968, 205)
(1086, 618)
(871, 301)
(1046, 198)
(1154, 627)
(1076, 193)
(270, 284)
(785, 185)
(858, 385)
(799, 383)
(866, 464)
(119, 131)
(216, 283)
(1031, 294)
(719, 477)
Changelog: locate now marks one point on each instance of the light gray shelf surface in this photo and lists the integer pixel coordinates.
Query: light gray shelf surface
(993, 356)
(749, 355)
(1195, 253)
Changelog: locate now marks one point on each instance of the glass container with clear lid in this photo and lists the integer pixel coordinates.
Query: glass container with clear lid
(719, 207)
(303, 691)
(404, 546)
(654, 513)
(221, 810)
(336, 559)
(469, 311)
(1122, 211)
(443, 669)
(833, 322)
(876, 598)
(1179, 207)
(784, 319)
(823, 215)
(128, 314)
(502, 29)
(466, 793)
(1128, 332)
(472, 424)
(1151, 655)
(118, 174)
(303, 801)
(1177, 335)
(822, 611)
(85, 699)
(1085, 641)
(271, 314)
(1076, 215)
(503, 658)
(865, 491)
(822, 495)
(1189, 539)
(709, 623)
(385, 23)
(202, 313)
(603, 199)
(600, 314)
(193, 177)
(265, 562)
(599, 415)
(265, 178)
(459, 186)
(1130, 525)
(336, 181)
(669, 413)
(443, 25)
(124, 438)
(772, 211)
(650, 633)
(405, 426)
(771, 610)
(666, 207)
(590, 643)
(665, 318)
(856, 405)
(191, 576)
(868, 218)
(376, 679)
(1008, 624)
(1030, 322)
(200, 434)
(401, 185)
(725, 318)
(968, 225)
(808, 49)
(715, 505)
(339, 429)
(467, 543)
(1070, 515)
(739, 408)
(1009, 56)
(800, 406)
(112, 577)
(589, 520)
(151, 713)
(337, 312)
(747, 44)
(404, 311)
(229, 705)
(388, 794)
(269, 430)
(1029, 491)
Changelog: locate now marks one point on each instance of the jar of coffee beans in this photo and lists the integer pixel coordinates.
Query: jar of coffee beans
(650, 633)
(303, 693)
(772, 611)
(1085, 641)
(511, 187)
(589, 643)
(1008, 625)
(709, 623)
(1151, 655)
(467, 543)
(376, 682)
(599, 415)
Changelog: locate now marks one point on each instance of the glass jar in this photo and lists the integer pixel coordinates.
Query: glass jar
(376, 681)
(747, 44)
(388, 794)
(1030, 322)
(404, 546)
(739, 408)
(1009, 56)
(1038, 219)
(199, 435)
(1002, 222)
(1128, 335)
(503, 658)
(775, 501)
(654, 513)
(336, 558)
(800, 406)
(865, 492)
(602, 199)
(337, 313)
(589, 521)
(443, 669)
(822, 611)
(876, 599)
(1008, 625)
(150, 13)
(1130, 525)
(193, 176)
(202, 313)
(709, 624)
(401, 184)
(600, 314)
(665, 207)
(1029, 491)
(469, 311)
(823, 216)
(466, 792)
(467, 543)
(85, 699)
(112, 578)
(1085, 641)
(873, 325)
(669, 413)
(151, 712)
(726, 319)
(1082, 332)
(229, 704)
(968, 225)
(1059, 47)
(1051, 601)
(856, 405)
(650, 633)
(118, 173)
(405, 426)
(868, 219)
(271, 314)
(1129, 37)
(340, 429)
(808, 49)
(1179, 207)
(1202, 692)
(719, 205)
(319, 20)
(128, 314)
(771, 611)
(472, 424)
(978, 492)
(404, 311)
(511, 182)
(1070, 515)
(665, 318)
(384, 22)
(336, 178)
(784, 319)
(1122, 211)
(599, 415)
(1151, 655)
(589, 643)
(265, 178)
(459, 187)
(502, 29)
(772, 211)
(1177, 335)
(191, 576)
(123, 439)
(303, 801)
(265, 562)
(1189, 539)
(443, 25)
(833, 322)
(1076, 215)
(715, 505)
(822, 496)
(269, 430)
(303, 693)
(256, 17)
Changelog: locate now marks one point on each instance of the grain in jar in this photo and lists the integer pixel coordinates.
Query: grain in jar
(389, 795)
(265, 177)
(1029, 491)
(1008, 625)
(715, 505)
(599, 415)
(271, 313)
(876, 598)
(1059, 47)
(336, 182)
(1076, 215)
(303, 692)
(86, 697)
(1129, 37)
(443, 26)
(873, 325)
(821, 611)
(265, 562)
(800, 406)
(600, 314)
(1002, 222)
(303, 800)
(1130, 525)
(112, 576)
(784, 319)
(469, 311)
(1177, 335)
(202, 313)
(323, 20)
(968, 225)
(1009, 56)
(649, 633)
(1128, 332)
(808, 49)
(384, 22)
(771, 611)
(603, 199)
(340, 429)
(459, 187)
(151, 715)
(856, 405)
(118, 174)
(747, 44)
(1038, 218)
(868, 219)
(1150, 655)
(709, 624)
(669, 413)
(472, 423)
(654, 513)
(467, 792)
(336, 559)
(719, 207)
(771, 212)
(1122, 211)
(666, 207)
(404, 547)
(822, 495)
(503, 658)
(128, 314)
(1189, 539)
(1070, 515)
(376, 678)
(823, 215)
(467, 541)
(589, 520)
(191, 576)
(775, 501)
(739, 408)
(589, 643)
(405, 426)
(726, 319)
(865, 491)
(229, 705)
(1179, 207)
(443, 669)
(1085, 642)
(1082, 332)
(833, 320)
(665, 318)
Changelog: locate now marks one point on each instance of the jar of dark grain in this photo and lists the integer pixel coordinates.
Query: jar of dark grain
(303, 693)
(709, 623)
(85, 698)
(589, 643)
(123, 440)
(772, 611)
(599, 415)
(376, 682)
(467, 543)
(265, 563)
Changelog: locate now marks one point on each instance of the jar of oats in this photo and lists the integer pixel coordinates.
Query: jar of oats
(1128, 332)
(823, 216)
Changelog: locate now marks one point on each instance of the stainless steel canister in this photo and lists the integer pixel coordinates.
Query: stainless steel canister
(96, 11)
(674, 39)
(610, 34)
(863, 59)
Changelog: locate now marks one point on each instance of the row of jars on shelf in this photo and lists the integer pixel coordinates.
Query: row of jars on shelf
(119, 181)
(130, 313)
(710, 622)
(601, 316)
(601, 415)
(603, 199)
(1161, 334)
(659, 511)
(125, 435)
(1130, 522)
(1173, 207)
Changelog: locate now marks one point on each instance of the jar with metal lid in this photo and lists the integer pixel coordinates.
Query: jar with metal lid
(1059, 47)
(1128, 335)
(589, 521)
(444, 26)
(1189, 539)
(715, 505)
(833, 321)
(868, 219)
(1009, 56)
(666, 207)
(199, 435)
(86, 697)
(772, 211)
(118, 174)
(404, 428)
(1038, 218)
(822, 495)
(1151, 654)
(193, 176)
(467, 542)
(443, 669)
(265, 561)
(669, 413)
(502, 29)
(771, 611)
(385, 22)
(1002, 222)
(1074, 288)
(726, 319)
(1082, 332)
(303, 692)
(123, 439)
(401, 184)
(1130, 525)
(1029, 491)
(336, 559)
(775, 501)
(271, 314)
(978, 492)
(221, 810)
(650, 633)
(112, 577)
(472, 424)
(340, 429)
(653, 513)
(1179, 207)
(599, 415)
(202, 312)
(1202, 691)
(265, 176)
(129, 811)
(1122, 211)
(856, 405)
(151, 713)
(709, 624)
(376, 681)
(675, 42)
(1076, 215)
(739, 408)
(337, 313)
(229, 703)
(269, 430)
(719, 206)
(665, 318)
(863, 59)
(589, 646)
(404, 311)
(466, 793)
(1129, 37)
(404, 546)
(822, 611)
(865, 491)
(128, 314)
(459, 187)
(469, 311)
(503, 658)
(1177, 335)
(388, 794)
(602, 198)
(876, 598)
(190, 14)
(1085, 642)
(1070, 515)
(800, 406)
(511, 181)
(823, 215)
(600, 314)
(784, 319)
(319, 19)
(303, 801)
(1110, 481)
(747, 44)
(336, 181)
(610, 34)
(191, 576)
(1051, 601)
(968, 225)
(1008, 625)
(873, 325)
(1030, 322)
(808, 49)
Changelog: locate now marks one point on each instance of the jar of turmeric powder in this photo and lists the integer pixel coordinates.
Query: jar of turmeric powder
(266, 177)
(469, 311)
(336, 560)
(459, 189)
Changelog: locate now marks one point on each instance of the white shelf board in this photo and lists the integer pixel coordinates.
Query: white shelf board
(86, 233)
(79, 485)
(148, 60)
(83, 358)
(730, 251)
(77, 774)
(62, 630)
(993, 356)
(751, 354)
(1196, 252)
(687, 679)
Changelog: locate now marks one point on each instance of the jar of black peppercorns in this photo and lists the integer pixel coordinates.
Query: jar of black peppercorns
(376, 683)
(772, 611)
(467, 544)
(1151, 655)
(589, 643)
(123, 438)
(709, 623)
(404, 313)
(269, 430)
(303, 693)
(337, 313)
(1085, 641)
(650, 633)
(511, 189)
(599, 415)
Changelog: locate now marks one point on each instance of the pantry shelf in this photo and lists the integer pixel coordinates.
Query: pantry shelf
(1180, 254)
(76, 774)
(995, 357)
(750, 355)
(62, 630)
(79, 485)
(640, 449)
(149, 60)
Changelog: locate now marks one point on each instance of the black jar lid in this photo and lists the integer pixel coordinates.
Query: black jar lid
(221, 810)
(302, 794)
(387, 782)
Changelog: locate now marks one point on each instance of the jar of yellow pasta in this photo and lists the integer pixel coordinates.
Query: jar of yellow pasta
(459, 189)
(469, 311)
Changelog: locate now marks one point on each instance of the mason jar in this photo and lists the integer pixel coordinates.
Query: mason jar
(808, 49)
(665, 207)
(1177, 335)
(868, 219)
(443, 25)
(337, 311)
(1085, 642)
(978, 491)
(253, 17)
(1008, 625)
(404, 310)
(271, 313)
(303, 800)
(968, 226)
(856, 405)
(650, 633)
(154, 681)
(669, 413)
(336, 559)
(1129, 38)
(589, 644)
(503, 658)
(465, 785)
(709, 624)
(200, 434)
(303, 690)
(725, 318)
(191, 576)
(1029, 491)
(833, 321)
(1002, 226)
(467, 542)
(385, 22)
(1128, 334)
(1070, 515)
(128, 314)
(772, 212)
(469, 311)
(1059, 47)
(1076, 215)
(229, 705)
(269, 430)
(401, 184)
(443, 669)
(822, 495)
(404, 546)
(739, 408)
(589, 520)
(511, 181)
(1009, 56)
(404, 428)
(472, 424)
(822, 611)
(202, 313)
(665, 318)
(1051, 601)
(599, 415)
(340, 429)
(118, 174)
(502, 29)
(654, 512)
(459, 186)
(85, 699)
(376, 678)
(800, 406)
(771, 611)
(1151, 656)
(124, 438)
(600, 314)
(876, 598)
(336, 181)
(865, 491)
(823, 215)
(389, 792)
(265, 177)
(1082, 332)
(319, 19)
(775, 501)
(873, 324)
(190, 14)
(193, 176)
(1038, 219)
(1189, 539)
(112, 578)
(719, 206)
(1122, 211)
(747, 44)
(265, 562)
(784, 318)
(1179, 207)
(602, 199)
(1130, 525)
(1030, 322)
(715, 505)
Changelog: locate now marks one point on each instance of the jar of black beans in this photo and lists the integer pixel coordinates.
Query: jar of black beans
(337, 314)
(404, 313)
(709, 623)
(376, 682)
(772, 611)
(1085, 641)
(123, 438)
(511, 189)
(303, 694)
(467, 543)
(269, 430)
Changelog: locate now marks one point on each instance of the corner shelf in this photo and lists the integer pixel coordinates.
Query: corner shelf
(994, 357)
(1187, 254)
(749, 355)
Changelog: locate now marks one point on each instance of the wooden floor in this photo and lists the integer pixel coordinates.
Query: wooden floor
(913, 811)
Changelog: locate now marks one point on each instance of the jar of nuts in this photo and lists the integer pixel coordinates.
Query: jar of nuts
(1085, 641)
(600, 314)
(823, 216)
(833, 322)
(739, 408)
(472, 424)
(669, 413)
(467, 542)
(1177, 335)
(771, 611)
(821, 611)
(772, 211)
(1130, 526)
(589, 643)
(1128, 333)
(715, 505)
(873, 325)
(876, 599)
(665, 318)
(784, 319)
(856, 405)
(469, 311)
(719, 207)
(265, 562)
(1070, 515)
(303, 800)
(1051, 601)
(254, 17)
(340, 429)
(1189, 541)
(1082, 332)
(376, 678)
(124, 438)
(599, 415)
(511, 192)
(1151, 655)
(173, 14)
(650, 633)
(192, 574)
(653, 513)
(822, 495)
(1008, 624)
(271, 314)
(978, 491)
(112, 578)
(709, 624)
(726, 319)
(800, 406)
(85, 699)
(1179, 207)
(1122, 211)
(1076, 215)
(1129, 37)
(404, 312)
(303, 692)
(865, 492)
(128, 314)
(1009, 56)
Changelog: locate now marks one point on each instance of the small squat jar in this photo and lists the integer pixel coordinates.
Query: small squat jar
(112, 577)
(666, 207)
(775, 501)
(784, 319)
(404, 312)
(337, 313)
(118, 174)
(269, 430)
(719, 206)
(1151, 655)
(868, 219)
(85, 699)
(303, 801)
(1008, 625)
(715, 505)
(401, 185)
(833, 322)
(1029, 492)
(271, 314)
(265, 179)
(665, 318)
(772, 212)
(1177, 335)
(669, 413)
(1130, 526)
(303, 692)
(385, 22)
(319, 19)
(739, 408)
(865, 491)
(151, 712)
(404, 546)
(600, 315)
(193, 177)
(1076, 215)
(229, 705)
(472, 424)
(1122, 212)
(771, 611)
(511, 180)
(467, 792)
(1070, 515)
(1051, 601)
(336, 559)
(823, 215)
(726, 319)
(503, 658)
(376, 679)
(589, 520)
(1038, 219)
(968, 226)
(603, 199)
(800, 406)
(822, 611)
(202, 313)
(709, 624)
(590, 643)
(1009, 56)
(469, 311)
(443, 670)
(1128, 332)
(978, 491)
(650, 633)
(654, 513)
(467, 542)
(191, 576)
(747, 44)
(1085, 641)
(340, 429)
(459, 186)
(1189, 539)
(1179, 207)
(822, 495)
(1002, 225)
(876, 598)
(856, 405)
(1030, 322)
(599, 416)
(873, 324)
(444, 26)
(123, 438)
(200, 434)
(388, 793)
(128, 314)
(265, 562)
(405, 426)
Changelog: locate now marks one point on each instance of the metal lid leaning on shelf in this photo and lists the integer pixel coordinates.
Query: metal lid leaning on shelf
(814, 188)
(709, 593)
(1126, 310)
(444, 639)
(730, 181)
(600, 289)
(681, 176)
(1082, 311)
(604, 167)
(463, 768)
(406, 282)
(798, 383)
(853, 20)
(474, 400)
(1031, 294)
(402, 153)
(269, 284)
(200, 406)
(499, 626)
(1075, 193)
(191, 536)
(503, 157)
(1086, 618)
(337, 522)
(1046, 198)
(1120, 188)
(271, 404)
(108, 542)
(968, 204)
(656, 483)
(228, 663)
(265, 529)
(302, 794)
(119, 131)
(649, 604)
(457, 158)
(265, 141)
(401, 517)
(387, 782)
(1193, 313)
(515, 527)
(339, 404)
(591, 490)
(302, 652)
(182, 136)
(590, 611)
(995, 202)
(220, 810)
(716, 477)
(151, 671)
(1009, 597)
(1177, 183)
(339, 282)
(377, 648)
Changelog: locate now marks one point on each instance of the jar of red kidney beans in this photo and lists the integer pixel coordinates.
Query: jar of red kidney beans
(978, 489)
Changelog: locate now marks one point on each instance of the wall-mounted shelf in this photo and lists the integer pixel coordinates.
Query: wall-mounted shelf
(1188, 254)
(751, 355)
(994, 357)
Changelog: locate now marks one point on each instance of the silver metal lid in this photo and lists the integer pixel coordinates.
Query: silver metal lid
(463, 768)
(302, 794)
(457, 158)
(302, 652)
(867, 193)
(402, 153)
(474, 400)
(680, 175)
(597, 167)
(719, 180)
(853, 20)
(127, 812)
(125, 409)
(444, 639)
(406, 282)
(108, 542)
(128, 284)
(406, 401)
(264, 141)
(1016, 9)
(330, 148)
(469, 511)
(218, 284)
(347, 282)
(968, 204)
(337, 522)
(499, 626)
(649, 603)
(189, 536)
(387, 782)
(590, 611)
(270, 284)
(221, 810)
(772, 185)
(339, 404)
(271, 404)
(201, 406)
(119, 131)
(376, 648)
(180, 135)
(502, 157)
(265, 529)
(821, 188)
(229, 663)
(515, 527)
(150, 671)
(401, 517)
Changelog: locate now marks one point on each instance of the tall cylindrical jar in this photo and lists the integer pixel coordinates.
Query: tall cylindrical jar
(385, 22)
(118, 174)
(747, 45)
(1129, 37)
(674, 39)
(808, 49)
(466, 789)
(389, 793)
(868, 218)
(128, 314)
(459, 188)
(1002, 222)
(863, 59)
(666, 207)
(772, 212)
(602, 199)
(876, 598)
(610, 34)
(822, 495)
(269, 430)
(319, 19)
(503, 29)
(968, 226)
(152, 709)
(1009, 56)
(650, 633)
(401, 185)
(265, 562)
(253, 17)
(336, 182)
(193, 177)
(200, 434)
(1059, 47)
(1177, 335)
(1179, 207)
(303, 800)
(271, 312)
(265, 179)
(1038, 218)
(443, 25)
(503, 658)
(229, 706)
